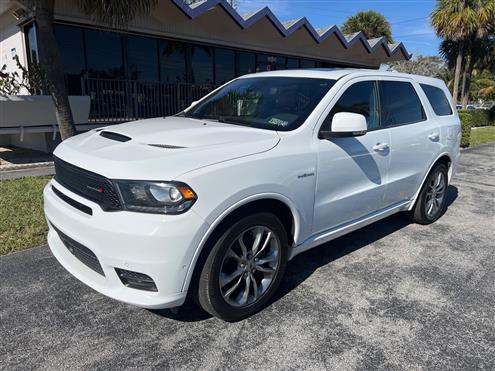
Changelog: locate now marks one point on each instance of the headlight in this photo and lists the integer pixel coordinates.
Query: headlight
(156, 197)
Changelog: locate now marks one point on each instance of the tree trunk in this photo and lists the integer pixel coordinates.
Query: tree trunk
(50, 62)
(457, 73)
(466, 81)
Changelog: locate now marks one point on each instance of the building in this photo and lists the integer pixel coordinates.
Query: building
(178, 53)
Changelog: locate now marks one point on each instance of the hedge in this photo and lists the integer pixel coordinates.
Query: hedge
(466, 121)
(480, 117)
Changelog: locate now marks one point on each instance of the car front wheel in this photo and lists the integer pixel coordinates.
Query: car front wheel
(244, 268)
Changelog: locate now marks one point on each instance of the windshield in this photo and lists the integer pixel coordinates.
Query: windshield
(273, 103)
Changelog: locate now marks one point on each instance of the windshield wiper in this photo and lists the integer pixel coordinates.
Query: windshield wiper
(235, 122)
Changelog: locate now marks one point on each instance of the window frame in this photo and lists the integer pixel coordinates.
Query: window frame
(377, 79)
(377, 91)
(413, 85)
(449, 101)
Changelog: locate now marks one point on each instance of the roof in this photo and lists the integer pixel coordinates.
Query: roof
(337, 73)
(287, 28)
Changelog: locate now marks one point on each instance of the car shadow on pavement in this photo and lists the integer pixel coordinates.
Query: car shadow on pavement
(305, 264)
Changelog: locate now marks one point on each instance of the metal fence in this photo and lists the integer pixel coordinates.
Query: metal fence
(114, 101)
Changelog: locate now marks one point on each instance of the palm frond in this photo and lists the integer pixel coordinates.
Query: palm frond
(115, 13)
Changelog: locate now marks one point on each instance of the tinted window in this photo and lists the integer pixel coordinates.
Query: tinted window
(70, 44)
(399, 104)
(172, 61)
(247, 63)
(273, 103)
(324, 65)
(307, 63)
(224, 65)
(201, 59)
(142, 58)
(104, 54)
(361, 98)
(438, 100)
(292, 63)
(265, 62)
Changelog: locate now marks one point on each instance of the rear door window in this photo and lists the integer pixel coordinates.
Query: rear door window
(437, 99)
(400, 104)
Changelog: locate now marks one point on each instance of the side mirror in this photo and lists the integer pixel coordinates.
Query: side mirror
(346, 124)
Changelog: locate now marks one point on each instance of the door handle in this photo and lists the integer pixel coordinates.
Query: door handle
(379, 147)
(433, 136)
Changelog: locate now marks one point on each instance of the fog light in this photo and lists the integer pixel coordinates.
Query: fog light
(135, 280)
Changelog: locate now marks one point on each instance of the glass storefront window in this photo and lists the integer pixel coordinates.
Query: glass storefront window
(104, 54)
(292, 63)
(201, 64)
(30, 32)
(70, 41)
(323, 65)
(267, 62)
(142, 60)
(246, 63)
(224, 65)
(308, 63)
(172, 61)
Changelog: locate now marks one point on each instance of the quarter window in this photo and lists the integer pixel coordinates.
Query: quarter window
(358, 98)
(437, 99)
(400, 104)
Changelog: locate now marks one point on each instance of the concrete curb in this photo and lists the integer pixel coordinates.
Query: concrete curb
(33, 165)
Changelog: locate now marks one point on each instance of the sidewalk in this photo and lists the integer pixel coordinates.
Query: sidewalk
(19, 162)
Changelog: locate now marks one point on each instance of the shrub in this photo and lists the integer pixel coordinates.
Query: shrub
(491, 115)
(466, 123)
(479, 117)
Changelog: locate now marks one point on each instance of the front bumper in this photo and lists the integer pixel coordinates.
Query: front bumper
(159, 246)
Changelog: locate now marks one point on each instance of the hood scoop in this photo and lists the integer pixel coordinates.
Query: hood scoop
(166, 146)
(114, 136)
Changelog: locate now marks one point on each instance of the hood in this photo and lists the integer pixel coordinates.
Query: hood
(162, 148)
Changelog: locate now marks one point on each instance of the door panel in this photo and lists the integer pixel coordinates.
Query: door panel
(414, 138)
(351, 178)
(352, 171)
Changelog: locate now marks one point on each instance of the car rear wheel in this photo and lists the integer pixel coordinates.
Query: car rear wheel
(244, 268)
(432, 200)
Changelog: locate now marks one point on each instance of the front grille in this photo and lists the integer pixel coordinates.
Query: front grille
(81, 252)
(87, 184)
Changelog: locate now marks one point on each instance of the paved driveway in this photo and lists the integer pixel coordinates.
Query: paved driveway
(393, 295)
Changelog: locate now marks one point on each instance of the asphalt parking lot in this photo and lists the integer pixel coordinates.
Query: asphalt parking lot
(391, 296)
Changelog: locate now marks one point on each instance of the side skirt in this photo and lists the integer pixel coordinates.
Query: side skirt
(348, 227)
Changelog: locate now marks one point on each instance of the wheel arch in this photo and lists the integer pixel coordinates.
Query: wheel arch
(278, 204)
(443, 158)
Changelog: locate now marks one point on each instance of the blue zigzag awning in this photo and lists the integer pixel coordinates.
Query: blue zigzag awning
(288, 27)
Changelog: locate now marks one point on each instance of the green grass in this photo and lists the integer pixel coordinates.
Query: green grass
(482, 135)
(22, 223)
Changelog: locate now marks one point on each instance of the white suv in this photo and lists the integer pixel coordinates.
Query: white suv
(215, 200)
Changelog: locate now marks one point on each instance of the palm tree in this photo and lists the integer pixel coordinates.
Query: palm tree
(480, 55)
(111, 13)
(460, 20)
(480, 61)
(371, 23)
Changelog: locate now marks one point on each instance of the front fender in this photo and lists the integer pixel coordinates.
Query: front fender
(220, 217)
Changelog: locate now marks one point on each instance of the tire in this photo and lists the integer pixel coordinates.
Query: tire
(432, 200)
(229, 266)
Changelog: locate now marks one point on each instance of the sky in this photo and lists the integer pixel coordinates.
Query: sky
(409, 19)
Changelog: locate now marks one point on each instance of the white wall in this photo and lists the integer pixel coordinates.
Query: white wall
(11, 43)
